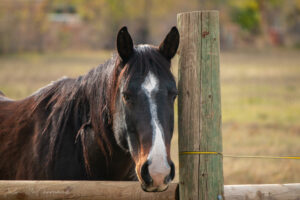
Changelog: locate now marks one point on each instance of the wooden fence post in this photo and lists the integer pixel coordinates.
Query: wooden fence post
(199, 106)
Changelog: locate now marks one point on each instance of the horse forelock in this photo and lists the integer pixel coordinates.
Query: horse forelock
(144, 59)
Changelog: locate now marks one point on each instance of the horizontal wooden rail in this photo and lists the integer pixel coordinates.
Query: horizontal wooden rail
(79, 190)
(100, 190)
(262, 192)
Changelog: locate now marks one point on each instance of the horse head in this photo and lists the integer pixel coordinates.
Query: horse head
(143, 108)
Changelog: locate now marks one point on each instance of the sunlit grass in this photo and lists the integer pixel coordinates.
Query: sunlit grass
(260, 104)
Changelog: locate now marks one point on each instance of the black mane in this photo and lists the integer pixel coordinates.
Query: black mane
(74, 106)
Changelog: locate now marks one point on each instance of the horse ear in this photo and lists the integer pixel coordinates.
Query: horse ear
(170, 44)
(124, 44)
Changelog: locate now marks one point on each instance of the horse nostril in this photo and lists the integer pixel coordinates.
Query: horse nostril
(145, 173)
(171, 176)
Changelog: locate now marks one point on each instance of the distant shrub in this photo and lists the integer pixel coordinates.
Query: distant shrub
(247, 18)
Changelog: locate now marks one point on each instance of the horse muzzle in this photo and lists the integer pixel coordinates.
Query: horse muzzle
(156, 179)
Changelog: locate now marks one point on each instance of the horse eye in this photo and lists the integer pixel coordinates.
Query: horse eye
(126, 96)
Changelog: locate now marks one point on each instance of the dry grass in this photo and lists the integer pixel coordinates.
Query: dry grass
(261, 115)
(260, 104)
(21, 75)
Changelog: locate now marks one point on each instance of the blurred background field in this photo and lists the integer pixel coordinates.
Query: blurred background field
(43, 40)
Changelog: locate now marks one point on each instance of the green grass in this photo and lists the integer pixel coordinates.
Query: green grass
(260, 104)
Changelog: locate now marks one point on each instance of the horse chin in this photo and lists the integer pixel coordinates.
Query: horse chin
(150, 188)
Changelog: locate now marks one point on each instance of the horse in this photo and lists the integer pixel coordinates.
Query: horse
(113, 123)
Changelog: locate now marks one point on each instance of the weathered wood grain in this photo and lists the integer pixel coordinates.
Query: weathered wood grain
(80, 190)
(109, 190)
(199, 105)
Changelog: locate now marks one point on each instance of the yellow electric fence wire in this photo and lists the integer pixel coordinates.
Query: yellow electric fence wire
(239, 156)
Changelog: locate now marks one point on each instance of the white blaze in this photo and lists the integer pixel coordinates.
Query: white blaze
(158, 156)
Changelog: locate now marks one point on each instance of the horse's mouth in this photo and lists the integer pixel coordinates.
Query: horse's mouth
(154, 189)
